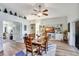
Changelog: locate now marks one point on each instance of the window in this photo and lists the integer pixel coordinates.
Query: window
(25, 27)
(68, 27)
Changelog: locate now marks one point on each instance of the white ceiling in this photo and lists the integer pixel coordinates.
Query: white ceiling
(54, 9)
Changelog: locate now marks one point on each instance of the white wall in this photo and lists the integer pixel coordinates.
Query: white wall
(55, 21)
(17, 31)
(15, 26)
(1, 36)
(72, 34)
(72, 13)
(7, 17)
(72, 18)
(72, 30)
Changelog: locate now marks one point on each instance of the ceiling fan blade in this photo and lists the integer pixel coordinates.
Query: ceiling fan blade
(35, 10)
(34, 14)
(45, 10)
(46, 14)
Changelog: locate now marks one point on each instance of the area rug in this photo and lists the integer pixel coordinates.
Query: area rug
(51, 51)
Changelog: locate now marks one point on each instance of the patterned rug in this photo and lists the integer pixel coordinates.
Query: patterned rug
(51, 51)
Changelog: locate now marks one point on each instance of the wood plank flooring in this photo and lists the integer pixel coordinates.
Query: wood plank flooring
(63, 49)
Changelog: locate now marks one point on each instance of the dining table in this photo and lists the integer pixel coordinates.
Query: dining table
(38, 43)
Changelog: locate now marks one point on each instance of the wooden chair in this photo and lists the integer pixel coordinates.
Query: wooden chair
(44, 46)
(32, 35)
(30, 47)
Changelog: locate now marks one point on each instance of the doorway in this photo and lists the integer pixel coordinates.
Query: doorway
(13, 29)
(77, 34)
(32, 30)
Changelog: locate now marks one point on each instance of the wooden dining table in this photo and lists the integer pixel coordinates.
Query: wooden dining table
(37, 43)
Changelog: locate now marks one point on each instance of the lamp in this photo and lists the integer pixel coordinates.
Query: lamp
(39, 14)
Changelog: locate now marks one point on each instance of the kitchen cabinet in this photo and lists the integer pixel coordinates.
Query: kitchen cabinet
(58, 36)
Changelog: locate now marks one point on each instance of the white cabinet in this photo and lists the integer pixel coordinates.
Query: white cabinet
(55, 36)
(51, 36)
(58, 36)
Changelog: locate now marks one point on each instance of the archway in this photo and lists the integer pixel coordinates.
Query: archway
(11, 28)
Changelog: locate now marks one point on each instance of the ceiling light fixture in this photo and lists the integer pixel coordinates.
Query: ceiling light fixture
(40, 10)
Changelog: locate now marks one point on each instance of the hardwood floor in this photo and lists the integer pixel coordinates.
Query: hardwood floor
(11, 47)
(63, 49)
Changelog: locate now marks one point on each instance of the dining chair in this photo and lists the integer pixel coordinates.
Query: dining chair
(32, 35)
(30, 47)
(44, 45)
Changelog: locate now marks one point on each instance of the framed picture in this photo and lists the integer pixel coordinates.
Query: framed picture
(25, 27)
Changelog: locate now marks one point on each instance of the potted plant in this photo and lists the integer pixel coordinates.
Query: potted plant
(65, 34)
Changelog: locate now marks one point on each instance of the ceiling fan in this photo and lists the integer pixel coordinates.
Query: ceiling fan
(40, 11)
